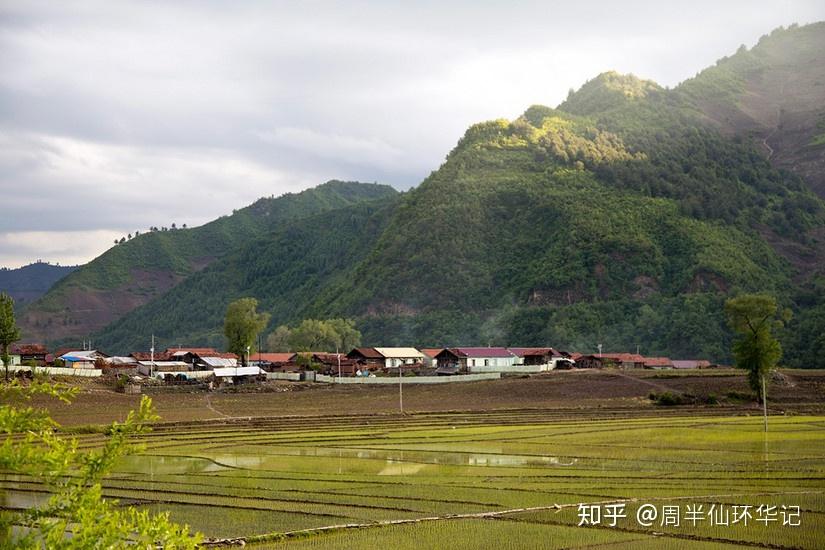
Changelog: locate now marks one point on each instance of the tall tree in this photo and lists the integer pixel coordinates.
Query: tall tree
(753, 317)
(348, 336)
(279, 339)
(242, 325)
(9, 333)
(325, 335)
(313, 335)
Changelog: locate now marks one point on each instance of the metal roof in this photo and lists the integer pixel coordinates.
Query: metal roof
(162, 364)
(238, 371)
(400, 353)
(220, 361)
(81, 355)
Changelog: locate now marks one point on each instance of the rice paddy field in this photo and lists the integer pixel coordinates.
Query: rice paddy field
(510, 479)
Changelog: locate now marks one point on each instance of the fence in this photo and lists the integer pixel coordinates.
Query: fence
(515, 369)
(63, 371)
(408, 379)
(293, 376)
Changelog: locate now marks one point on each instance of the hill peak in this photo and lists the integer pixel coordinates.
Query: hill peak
(607, 90)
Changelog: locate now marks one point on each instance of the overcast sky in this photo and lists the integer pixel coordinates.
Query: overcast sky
(119, 115)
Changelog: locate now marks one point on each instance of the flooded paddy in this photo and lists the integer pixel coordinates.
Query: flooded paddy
(476, 481)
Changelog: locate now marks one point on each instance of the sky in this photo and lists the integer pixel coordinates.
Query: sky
(120, 115)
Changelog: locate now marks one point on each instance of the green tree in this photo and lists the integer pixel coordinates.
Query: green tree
(279, 339)
(9, 333)
(313, 335)
(32, 447)
(348, 336)
(242, 325)
(325, 335)
(753, 317)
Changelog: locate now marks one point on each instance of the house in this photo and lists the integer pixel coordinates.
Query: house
(334, 364)
(202, 358)
(162, 368)
(28, 354)
(429, 356)
(367, 358)
(548, 358)
(273, 361)
(396, 357)
(147, 356)
(119, 365)
(658, 363)
(623, 360)
(455, 360)
(690, 364)
(122, 361)
(83, 359)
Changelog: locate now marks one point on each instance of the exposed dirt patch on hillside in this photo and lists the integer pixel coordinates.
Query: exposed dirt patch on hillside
(806, 260)
(87, 310)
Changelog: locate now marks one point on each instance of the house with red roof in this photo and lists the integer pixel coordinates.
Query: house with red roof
(28, 353)
(430, 355)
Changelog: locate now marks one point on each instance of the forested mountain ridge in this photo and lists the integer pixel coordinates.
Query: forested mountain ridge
(133, 273)
(623, 217)
(26, 284)
(284, 270)
(774, 92)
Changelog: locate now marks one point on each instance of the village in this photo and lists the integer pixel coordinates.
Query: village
(204, 365)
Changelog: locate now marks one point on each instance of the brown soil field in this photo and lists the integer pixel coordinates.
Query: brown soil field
(561, 393)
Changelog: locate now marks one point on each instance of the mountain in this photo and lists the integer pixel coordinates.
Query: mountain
(626, 216)
(27, 283)
(775, 93)
(133, 273)
(284, 270)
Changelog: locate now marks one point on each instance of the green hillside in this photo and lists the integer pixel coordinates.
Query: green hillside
(133, 273)
(284, 270)
(623, 217)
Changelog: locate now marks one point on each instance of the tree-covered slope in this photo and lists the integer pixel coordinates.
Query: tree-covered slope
(530, 233)
(775, 92)
(133, 273)
(624, 217)
(283, 270)
(551, 229)
(26, 284)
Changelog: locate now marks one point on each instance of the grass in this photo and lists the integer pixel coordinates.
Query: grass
(273, 480)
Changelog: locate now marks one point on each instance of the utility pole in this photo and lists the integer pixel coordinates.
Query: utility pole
(338, 356)
(400, 390)
(152, 357)
(764, 403)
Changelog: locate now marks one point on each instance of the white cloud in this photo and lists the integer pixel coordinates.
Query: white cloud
(150, 112)
(70, 247)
